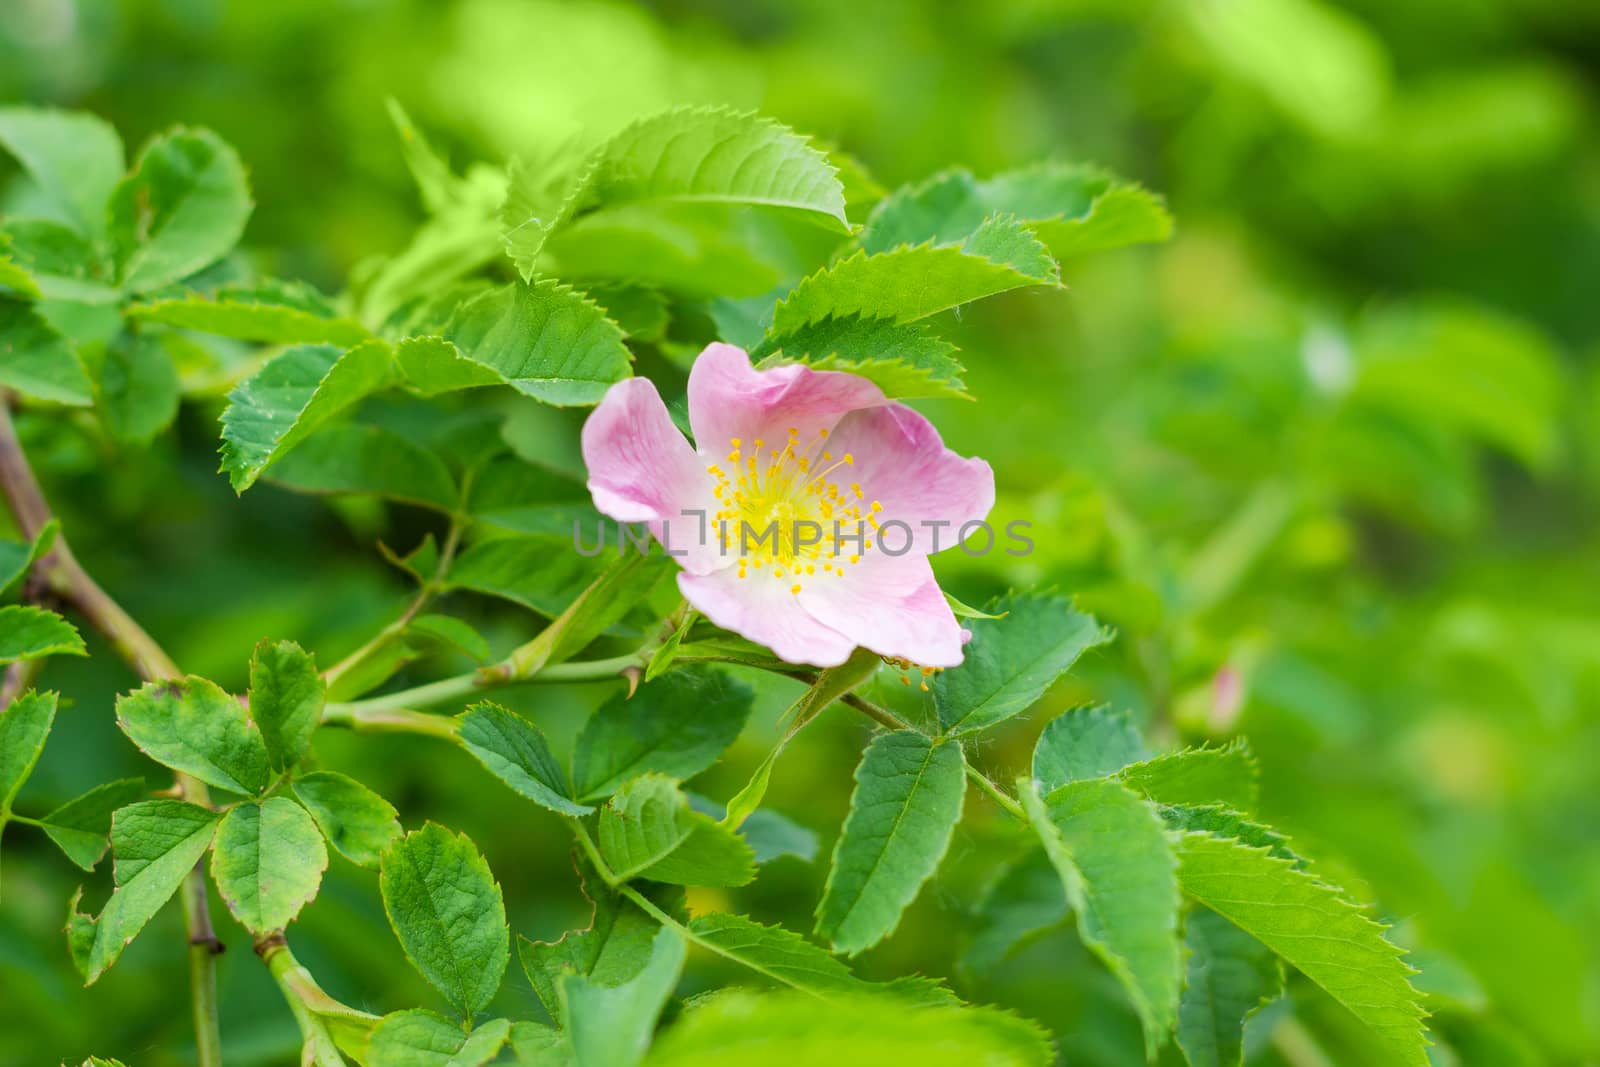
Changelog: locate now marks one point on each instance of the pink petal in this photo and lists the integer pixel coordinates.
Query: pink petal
(641, 469)
(730, 399)
(763, 609)
(902, 464)
(891, 605)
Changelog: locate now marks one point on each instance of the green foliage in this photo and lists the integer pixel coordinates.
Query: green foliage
(1073, 209)
(1299, 516)
(368, 460)
(138, 389)
(1087, 742)
(38, 360)
(1314, 929)
(419, 1038)
(447, 911)
(75, 158)
(297, 391)
(154, 845)
(649, 831)
(1012, 660)
(357, 822)
(610, 1025)
(193, 726)
(1121, 878)
(267, 861)
(515, 752)
(1225, 776)
(911, 283)
(34, 633)
(739, 1028)
(676, 726)
(1228, 977)
(81, 827)
(544, 340)
(905, 806)
(285, 700)
(180, 209)
(23, 730)
(279, 314)
(696, 157)
(17, 558)
(903, 359)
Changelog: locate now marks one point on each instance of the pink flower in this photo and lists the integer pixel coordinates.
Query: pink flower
(805, 517)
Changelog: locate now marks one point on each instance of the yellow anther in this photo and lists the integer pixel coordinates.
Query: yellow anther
(795, 588)
(849, 460)
(876, 507)
(737, 443)
(822, 432)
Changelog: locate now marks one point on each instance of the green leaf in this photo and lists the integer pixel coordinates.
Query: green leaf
(260, 314)
(370, 460)
(544, 340)
(1313, 928)
(28, 632)
(1228, 776)
(75, 157)
(906, 284)
(772, 835)
(81, 827)
(447, 911)
(17, 558)
(180, 209)
(641, 311)
(1072, 208)
(357, 822)
(1223, 822)
(648, 830)
(712, 155)
(267, 861)
(1121, 215)
(540, 198)
(154, 845)
(782, 956)
(616, 945)
(903, 359)
(419, 1038)
(450, 631)
(736, 1029)
(622, 585)
(282, 403)
(1010, 662)
(1230, 976)
(1117, 865)
(611, 1025)
(13, 277)
(831, 685)
(37, 361)
(24, 725)
(138, 395)
(1085, 742)
(286, 695)
(61, 263)
(193, 726)
(906, 804)
(515, 751)
(676, 725)
(541, 572)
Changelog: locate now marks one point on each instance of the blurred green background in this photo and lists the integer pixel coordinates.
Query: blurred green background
(1329, 459)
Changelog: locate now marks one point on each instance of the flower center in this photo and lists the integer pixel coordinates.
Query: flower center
(782, 509)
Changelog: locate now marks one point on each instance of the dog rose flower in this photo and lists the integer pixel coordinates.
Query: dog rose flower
(804, 515)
